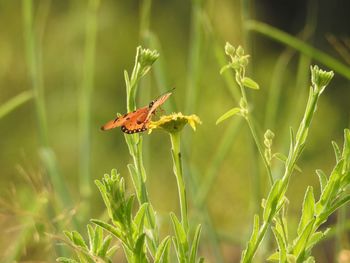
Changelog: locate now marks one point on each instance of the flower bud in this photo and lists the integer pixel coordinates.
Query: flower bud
(229, 49)
(320, 78)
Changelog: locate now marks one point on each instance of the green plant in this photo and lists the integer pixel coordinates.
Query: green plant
(314, 214)
(97, 250)
(138, 233)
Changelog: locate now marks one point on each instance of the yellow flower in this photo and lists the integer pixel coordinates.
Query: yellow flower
(175, 122)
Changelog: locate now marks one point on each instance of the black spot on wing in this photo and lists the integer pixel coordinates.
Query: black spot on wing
(126, 130)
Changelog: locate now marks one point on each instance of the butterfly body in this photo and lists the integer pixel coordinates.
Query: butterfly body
(138, 120)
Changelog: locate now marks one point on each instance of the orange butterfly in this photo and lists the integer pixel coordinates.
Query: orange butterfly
(138, 120)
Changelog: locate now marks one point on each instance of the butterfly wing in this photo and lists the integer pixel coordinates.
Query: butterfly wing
(135, 116)
(137, 123)
(156, 103)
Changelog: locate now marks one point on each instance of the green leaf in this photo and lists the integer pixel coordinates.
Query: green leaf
(180, 235)
(252, 240)
(91, 234)
(308, 210)
(346, 150)
(228, 114)
(272, 200)
(275, 257)
(224, 68)
(66, 260)
(302, 240)
(316, 238)
(152, 216)
(69, 235)
(322, 178)
(78, 240)
(140, 216)
(249, 83)
(117, 232)
(330, 189)
(102, 251)
(310, 260)
(336, 151)
(139, 249)
(102, 188)
(324, 216)
(195, 244)
(162, 254)
(112, 250)
(127, 81)
(98, 238)
(128, 209)
(281, 245)
(135, 179)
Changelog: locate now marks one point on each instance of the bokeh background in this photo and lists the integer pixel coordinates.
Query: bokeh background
(72, 54)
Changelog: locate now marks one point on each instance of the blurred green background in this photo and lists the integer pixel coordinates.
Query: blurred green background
(77, 72)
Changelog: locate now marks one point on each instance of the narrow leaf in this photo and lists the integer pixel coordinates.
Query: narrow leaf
(316, 238)
(91, 234)
(139, 249)
(275, 257)
(308, 210)
(346, 149)
(303, 238)
(69, 235)
(162, 254)
(102, 251)
(111, 229)
(140, 216)
(66, 260)
(180, 234)
(224, 68)
(195, 243)
(78, 240)
(249, 83)
(272, 200)
(228, 114)
(322, 178)
(98, 238)
(281, 245)
(336, 151)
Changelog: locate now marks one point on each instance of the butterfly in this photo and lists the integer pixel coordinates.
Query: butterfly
(138, 120)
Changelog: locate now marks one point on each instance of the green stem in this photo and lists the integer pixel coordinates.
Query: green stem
(134, 143)
(260, 237)
(15, 102)
(175, 149)
(299, 45)
(239, 78)
(293, 156)
(260, 149)
(85, 101)
(36, 82)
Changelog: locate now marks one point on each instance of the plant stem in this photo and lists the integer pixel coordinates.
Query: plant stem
(134, 143)
(293, 156)
(175, 150)
(239, 78)
(15, 102)
(85, 101)
(36, 81)
(260, 149)
(299, 45)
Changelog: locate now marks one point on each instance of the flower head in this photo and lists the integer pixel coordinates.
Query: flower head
(145, 59)
(175, 122)
(320, 78)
